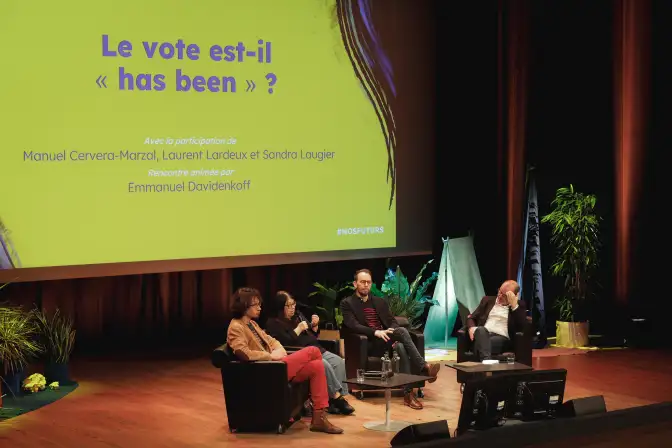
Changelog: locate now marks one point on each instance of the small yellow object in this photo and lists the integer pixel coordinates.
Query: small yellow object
(54, 385)
(35, 383)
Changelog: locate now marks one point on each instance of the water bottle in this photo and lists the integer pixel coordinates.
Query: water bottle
(395, 361)
(385, 366)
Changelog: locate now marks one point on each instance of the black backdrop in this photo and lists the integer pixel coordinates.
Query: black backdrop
(569, 138)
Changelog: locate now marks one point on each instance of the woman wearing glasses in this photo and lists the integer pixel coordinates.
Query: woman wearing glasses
(290, 328)
(250, 343)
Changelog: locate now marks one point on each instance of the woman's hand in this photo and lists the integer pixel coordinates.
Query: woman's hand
(277, 354)
(301, 327)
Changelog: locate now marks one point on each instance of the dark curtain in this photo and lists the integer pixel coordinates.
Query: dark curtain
(513, 61)
(632, 44)
(136, 310)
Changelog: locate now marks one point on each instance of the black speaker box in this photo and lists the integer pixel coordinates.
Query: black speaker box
(422, 432)
(584, 406)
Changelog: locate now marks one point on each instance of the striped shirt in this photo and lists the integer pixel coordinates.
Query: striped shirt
(372, 318)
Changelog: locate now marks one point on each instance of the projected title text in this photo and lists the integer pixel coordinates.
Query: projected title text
(184, 81)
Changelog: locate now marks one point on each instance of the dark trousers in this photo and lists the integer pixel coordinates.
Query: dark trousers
(487, 344)
(410, 360)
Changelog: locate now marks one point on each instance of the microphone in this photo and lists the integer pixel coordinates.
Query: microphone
(302, 318)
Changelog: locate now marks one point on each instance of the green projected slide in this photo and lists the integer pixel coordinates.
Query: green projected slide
(155, 130)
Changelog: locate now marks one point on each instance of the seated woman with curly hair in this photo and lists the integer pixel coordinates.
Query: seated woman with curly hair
(288, 327)
(250, 343)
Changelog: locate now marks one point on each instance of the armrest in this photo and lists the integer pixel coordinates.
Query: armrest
(331, 345)
(356, 352)
(292, 348)
(463, 345)
(402, 321)
(255, 372)
(328, 344)
(220, 356)
(523, 344)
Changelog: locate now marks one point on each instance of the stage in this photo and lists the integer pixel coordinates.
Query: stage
(178, 402)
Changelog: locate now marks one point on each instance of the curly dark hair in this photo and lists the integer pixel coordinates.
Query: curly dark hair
(242, 300)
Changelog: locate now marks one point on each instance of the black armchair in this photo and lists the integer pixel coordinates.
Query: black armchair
(258, 395)
(521, 347)
(356, 348)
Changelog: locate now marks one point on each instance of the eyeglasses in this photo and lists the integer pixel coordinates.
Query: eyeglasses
(364, 282)
(255, 305)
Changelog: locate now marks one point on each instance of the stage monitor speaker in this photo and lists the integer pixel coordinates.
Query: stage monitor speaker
(422, 432)
(584, 406)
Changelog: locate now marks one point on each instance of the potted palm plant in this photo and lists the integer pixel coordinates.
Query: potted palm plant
(18, 345)
(575, 233)
(406, 299)
(57, 335)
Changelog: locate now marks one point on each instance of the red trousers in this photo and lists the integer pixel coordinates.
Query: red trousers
(306, 364)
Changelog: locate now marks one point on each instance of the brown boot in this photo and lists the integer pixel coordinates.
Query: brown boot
(320, 423)
(432, 370)
(412, 401)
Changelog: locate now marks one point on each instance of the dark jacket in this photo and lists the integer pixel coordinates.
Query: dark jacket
(354, 319)
(283, 331)
(516, 322)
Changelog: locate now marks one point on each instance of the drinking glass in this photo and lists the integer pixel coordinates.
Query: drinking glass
(360, 375)
(511, 358)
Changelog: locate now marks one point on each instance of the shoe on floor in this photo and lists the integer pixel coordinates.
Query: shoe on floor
(342, 405)
(412, 401)
(321, 423)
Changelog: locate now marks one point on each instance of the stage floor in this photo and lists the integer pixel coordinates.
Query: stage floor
(179, 403)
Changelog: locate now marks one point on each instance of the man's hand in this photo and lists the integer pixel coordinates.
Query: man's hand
(472, 330)
(277, 354)
(315, 321)
(383, 334)
(512, 299)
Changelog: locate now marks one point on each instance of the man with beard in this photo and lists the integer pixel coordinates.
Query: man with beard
(370, 315)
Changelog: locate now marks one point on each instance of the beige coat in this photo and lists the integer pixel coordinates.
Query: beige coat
(245, 344)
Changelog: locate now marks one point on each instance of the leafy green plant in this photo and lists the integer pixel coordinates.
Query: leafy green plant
(18, 344)
(404, 299)
(575, 235)
(565, 308)
(56, 334)
(329, 299)
(338, 317)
